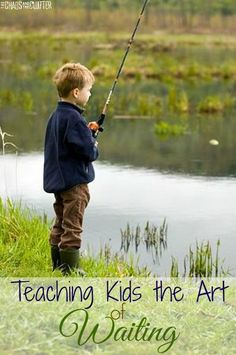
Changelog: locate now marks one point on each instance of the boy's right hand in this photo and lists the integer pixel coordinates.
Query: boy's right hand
(94, 126)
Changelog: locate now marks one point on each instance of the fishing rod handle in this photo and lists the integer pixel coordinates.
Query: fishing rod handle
(96, 126)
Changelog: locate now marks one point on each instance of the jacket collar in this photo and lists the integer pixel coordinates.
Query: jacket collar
(70, 105)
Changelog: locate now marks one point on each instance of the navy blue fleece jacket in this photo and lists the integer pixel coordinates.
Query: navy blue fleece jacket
(69, 149)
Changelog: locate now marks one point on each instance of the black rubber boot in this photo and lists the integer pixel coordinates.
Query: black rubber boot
(70, 261)
(55, 256)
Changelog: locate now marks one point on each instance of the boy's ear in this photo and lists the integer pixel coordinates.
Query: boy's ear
(75, 92)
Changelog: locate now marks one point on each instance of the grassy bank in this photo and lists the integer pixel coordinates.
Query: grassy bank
(25, 251)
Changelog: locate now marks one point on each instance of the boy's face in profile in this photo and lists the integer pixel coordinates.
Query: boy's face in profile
(81, 96)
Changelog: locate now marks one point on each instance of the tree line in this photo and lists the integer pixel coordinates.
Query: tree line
(218, 16)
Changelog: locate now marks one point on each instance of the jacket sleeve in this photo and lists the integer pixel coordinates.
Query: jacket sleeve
(80, 138)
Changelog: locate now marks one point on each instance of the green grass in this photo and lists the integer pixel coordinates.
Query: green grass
(25, 250)
(204, 327)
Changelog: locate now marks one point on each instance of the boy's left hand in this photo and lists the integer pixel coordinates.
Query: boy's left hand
(94, 126)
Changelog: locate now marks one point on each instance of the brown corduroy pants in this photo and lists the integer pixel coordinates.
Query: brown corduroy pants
(69, 207)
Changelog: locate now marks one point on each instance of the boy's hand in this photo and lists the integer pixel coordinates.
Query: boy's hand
(94, 126)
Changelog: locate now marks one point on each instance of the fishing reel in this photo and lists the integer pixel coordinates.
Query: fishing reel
(95, 128)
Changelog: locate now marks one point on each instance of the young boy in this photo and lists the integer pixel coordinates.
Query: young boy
(69, 152)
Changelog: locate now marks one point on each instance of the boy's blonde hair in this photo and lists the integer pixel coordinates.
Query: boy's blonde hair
(71, 76)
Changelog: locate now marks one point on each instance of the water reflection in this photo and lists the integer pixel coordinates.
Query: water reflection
(133, 142)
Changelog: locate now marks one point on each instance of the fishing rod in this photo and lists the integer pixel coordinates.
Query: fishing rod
(97, 127)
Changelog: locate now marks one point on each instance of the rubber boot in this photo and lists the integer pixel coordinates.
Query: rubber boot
(55, 256)
(70, 261)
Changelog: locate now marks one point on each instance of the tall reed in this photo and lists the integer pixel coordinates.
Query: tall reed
(5, 143)
(152, 237)
(200, 262)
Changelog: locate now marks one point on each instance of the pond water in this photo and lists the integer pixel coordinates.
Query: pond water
(196, 208)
